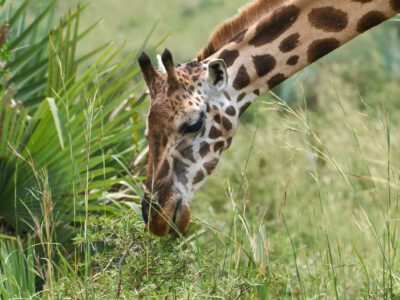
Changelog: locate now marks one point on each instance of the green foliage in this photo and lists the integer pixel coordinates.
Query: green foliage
(17, 269)
(4, 56)
(81, 132)
(28, 47)
(67, 134)
(129, 263)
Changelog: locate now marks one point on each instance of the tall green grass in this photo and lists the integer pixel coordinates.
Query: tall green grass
(17, 271)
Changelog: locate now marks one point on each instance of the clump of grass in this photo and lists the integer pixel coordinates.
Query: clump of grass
(128, 262)
(17, 269)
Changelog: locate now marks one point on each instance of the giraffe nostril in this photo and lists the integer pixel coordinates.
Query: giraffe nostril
(177, 209)
(145, 208)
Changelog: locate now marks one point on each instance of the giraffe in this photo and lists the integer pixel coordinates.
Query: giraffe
(195, 107)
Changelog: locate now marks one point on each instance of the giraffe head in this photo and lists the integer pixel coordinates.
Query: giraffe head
(190, 123)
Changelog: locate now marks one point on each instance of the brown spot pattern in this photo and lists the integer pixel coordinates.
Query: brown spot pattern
(227, 96)
(214, 133)
(218, 146)
(188, 153)
(241, 97)
(226, 123)
(328, 19)
(256, 92)
(204, 149)
(275, 80)
(289, 43)
(199, 177)
(210, 166)
(242, 78)
(369, 20)
(320, 48)
(362, 1)
(180, 171)
(230, 110)
(229, 57)
(264, 64)
(293, 60)
(273, 27)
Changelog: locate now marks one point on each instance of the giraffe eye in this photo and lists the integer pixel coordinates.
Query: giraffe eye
(193, 127)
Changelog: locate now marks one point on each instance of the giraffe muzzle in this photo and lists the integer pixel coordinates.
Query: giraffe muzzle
(169, 218)
(145, 208)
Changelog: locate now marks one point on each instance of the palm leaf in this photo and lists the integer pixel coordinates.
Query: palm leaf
(82, 123)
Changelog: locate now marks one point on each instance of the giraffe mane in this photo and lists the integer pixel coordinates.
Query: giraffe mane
(248, 15)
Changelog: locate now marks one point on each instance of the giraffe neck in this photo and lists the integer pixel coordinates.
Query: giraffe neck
(292, 36)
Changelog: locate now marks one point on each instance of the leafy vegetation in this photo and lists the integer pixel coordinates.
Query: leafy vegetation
(17, 272)
(71, 135)
(68, 133)
(305, 207)
(129, 263)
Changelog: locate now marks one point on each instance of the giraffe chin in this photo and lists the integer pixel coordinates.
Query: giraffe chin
(174, 221)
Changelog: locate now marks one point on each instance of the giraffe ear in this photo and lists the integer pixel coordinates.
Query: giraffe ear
(217, 75)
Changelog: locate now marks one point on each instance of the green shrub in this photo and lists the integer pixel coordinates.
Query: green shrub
(127, 262)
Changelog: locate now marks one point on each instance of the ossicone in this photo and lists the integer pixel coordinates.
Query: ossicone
(168, 63)
(149, 72)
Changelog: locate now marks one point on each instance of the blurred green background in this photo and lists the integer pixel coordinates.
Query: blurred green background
(191, 21)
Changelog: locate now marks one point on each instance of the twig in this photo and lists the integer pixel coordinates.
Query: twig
(120, 268)
(242, 291)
